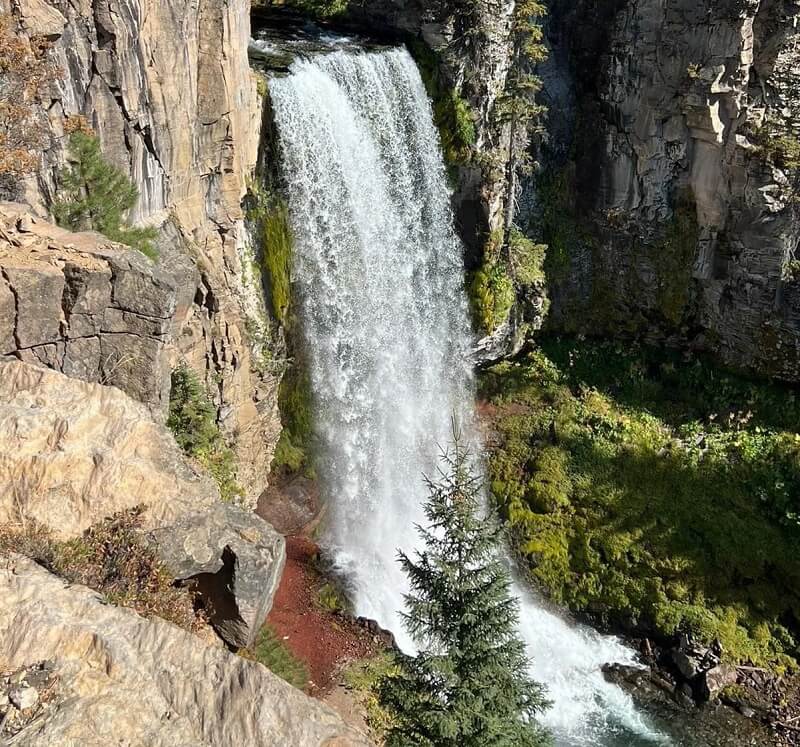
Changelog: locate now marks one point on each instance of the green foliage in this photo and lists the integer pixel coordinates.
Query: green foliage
(271, 216)
(331, 599)
(650, 490)
(313, 8)
(491, 289)
(451, 113)
(110, 557)
(364, 678)
(527, 258)
(674, 257)
(469, 683)
(275, 655)
(784, 151)
(294, 402)
(192, 420)
(94, 195)
(561, 230)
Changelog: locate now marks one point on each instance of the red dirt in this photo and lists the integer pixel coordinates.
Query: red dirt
(324, 640)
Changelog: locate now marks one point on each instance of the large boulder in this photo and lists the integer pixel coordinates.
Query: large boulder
(83, 305)
(73, 453)
(234, 559)
(125, 679)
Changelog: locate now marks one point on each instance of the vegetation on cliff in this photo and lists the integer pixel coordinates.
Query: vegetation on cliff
(192, 420)
(469, 683)
(94, 195)
(655, 493)
(451, 112)
(273, 653)
(112, 558)
(25, 73)
(270, 215)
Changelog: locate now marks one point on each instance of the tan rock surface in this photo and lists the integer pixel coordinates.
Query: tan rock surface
(127, 680)
(72, 453)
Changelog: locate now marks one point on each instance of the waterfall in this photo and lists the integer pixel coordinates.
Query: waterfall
(378, 273)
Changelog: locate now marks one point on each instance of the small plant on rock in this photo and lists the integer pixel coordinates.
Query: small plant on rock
(192, 420)
(95, 196)
(275, 655)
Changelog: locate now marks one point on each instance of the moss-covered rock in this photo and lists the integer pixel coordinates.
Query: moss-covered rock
(654, 493)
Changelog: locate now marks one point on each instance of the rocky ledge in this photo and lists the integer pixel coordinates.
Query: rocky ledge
(118, 673)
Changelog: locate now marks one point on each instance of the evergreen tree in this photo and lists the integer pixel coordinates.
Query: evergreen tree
(469, 685)
(95, 195)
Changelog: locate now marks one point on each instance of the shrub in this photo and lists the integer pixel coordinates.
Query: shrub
(112, 558)
(527, 258)
(275, 655)
(94, 195)
(364, 678)
(24, 76)
(192, 420)
(652, 491)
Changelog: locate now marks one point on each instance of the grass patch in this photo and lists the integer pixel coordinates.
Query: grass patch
(654, 492)
(110, 558)
(192, 420)
(275, 655)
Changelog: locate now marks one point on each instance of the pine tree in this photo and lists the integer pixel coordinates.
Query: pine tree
(95, 195)
(469, 685)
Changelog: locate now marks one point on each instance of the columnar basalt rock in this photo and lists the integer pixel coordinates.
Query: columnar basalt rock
(670, 185)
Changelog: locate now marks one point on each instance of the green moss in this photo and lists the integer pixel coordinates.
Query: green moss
(649, 490)
(674, 257)
(192, 420)
(527, 258)
(451, 113)
(273, 653)
(491, 288)
(270, 214)
(292, 453)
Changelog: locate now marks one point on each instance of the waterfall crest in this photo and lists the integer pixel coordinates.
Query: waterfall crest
(379, 273)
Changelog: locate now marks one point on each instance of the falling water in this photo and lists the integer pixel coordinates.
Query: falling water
(379, 279)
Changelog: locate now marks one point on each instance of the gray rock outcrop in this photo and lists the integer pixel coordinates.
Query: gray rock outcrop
(82, 305)
(145, 682)
(234, 559)
(669, 194)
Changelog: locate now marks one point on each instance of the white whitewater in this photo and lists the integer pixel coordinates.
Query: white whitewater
(379, 278)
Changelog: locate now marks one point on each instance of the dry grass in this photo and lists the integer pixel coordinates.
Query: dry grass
(111, 558)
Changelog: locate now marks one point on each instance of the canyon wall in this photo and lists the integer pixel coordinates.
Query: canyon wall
(168, 90)
(668, 193)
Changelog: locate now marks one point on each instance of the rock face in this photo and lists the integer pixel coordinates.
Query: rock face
(72, 453)
(145, 679)
(236, 561)
(84, 306)
(168, 89)
(669, 193)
